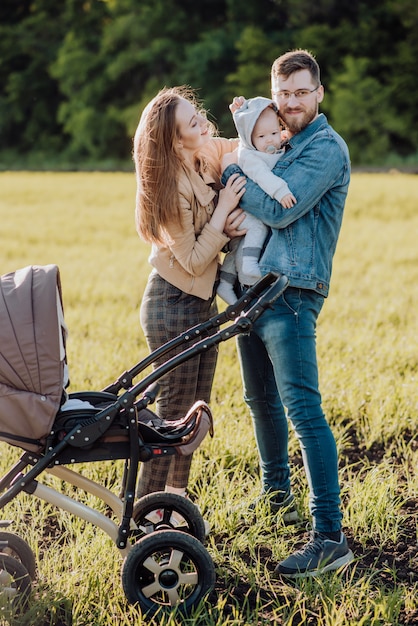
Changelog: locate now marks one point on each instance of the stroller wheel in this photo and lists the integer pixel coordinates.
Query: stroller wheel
(167, 511)
(20, 550)
(15, 585)
(165, 570)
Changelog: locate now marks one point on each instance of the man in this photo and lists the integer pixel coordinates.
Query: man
(278, 358)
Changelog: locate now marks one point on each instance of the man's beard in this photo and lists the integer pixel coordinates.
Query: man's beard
(295, 125)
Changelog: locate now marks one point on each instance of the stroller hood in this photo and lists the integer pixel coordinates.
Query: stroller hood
(32, 354)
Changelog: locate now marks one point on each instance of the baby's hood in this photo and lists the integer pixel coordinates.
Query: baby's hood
(247, 115)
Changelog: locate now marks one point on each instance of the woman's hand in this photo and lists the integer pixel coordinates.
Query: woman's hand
(233, 222)
(232, 193)
(229, 198)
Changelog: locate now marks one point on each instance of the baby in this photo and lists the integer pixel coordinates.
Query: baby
(258, 125)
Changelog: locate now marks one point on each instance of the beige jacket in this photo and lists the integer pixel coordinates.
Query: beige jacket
(190, 259)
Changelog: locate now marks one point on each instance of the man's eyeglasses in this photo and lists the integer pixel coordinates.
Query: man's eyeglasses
(300, 94)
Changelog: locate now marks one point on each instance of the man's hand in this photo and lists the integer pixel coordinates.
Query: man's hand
(233, 222)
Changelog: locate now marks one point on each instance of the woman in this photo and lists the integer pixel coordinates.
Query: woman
(181, 210)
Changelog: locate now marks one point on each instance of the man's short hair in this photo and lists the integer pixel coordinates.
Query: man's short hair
(294, 61)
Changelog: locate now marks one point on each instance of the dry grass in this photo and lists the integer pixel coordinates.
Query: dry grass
(368, 347)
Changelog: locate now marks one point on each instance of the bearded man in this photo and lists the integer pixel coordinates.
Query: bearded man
(278, 357)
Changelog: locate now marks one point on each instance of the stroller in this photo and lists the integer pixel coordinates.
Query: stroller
(161, 536)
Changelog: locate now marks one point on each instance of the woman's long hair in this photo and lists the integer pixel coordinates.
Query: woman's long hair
(158, 162)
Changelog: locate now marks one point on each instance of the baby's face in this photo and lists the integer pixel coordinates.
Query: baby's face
(266, 132)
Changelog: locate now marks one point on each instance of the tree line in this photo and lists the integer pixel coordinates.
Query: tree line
(76, 74)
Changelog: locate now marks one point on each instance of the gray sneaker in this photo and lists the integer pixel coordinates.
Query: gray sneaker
(318, 556)
(280, 504)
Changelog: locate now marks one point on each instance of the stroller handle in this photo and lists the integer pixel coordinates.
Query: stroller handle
(242, 324)
(198, 332)
(255, 291)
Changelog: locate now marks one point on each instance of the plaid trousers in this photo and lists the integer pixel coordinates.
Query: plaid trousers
(166, 312)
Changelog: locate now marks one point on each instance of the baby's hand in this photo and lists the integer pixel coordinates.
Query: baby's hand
(288, 201)
(236, 103)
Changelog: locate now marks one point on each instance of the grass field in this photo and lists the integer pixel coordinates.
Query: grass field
(368, 351)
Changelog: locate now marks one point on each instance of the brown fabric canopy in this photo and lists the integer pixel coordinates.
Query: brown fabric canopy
(31, 361)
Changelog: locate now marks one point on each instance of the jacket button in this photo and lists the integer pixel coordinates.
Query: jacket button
(320, 286)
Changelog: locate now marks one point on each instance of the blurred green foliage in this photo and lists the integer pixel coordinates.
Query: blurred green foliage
(76, 74)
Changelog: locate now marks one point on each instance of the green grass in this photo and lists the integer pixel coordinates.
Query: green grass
(368, 347)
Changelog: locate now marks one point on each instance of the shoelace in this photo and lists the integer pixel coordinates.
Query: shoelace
(315, 543)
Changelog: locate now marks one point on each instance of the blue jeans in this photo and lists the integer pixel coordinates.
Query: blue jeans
(279, 369)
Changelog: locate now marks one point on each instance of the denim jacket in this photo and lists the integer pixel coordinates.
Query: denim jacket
(303, 239)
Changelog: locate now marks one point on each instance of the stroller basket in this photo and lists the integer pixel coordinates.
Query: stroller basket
(55, 429)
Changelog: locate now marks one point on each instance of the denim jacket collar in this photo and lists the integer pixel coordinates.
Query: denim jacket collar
(307, 132)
